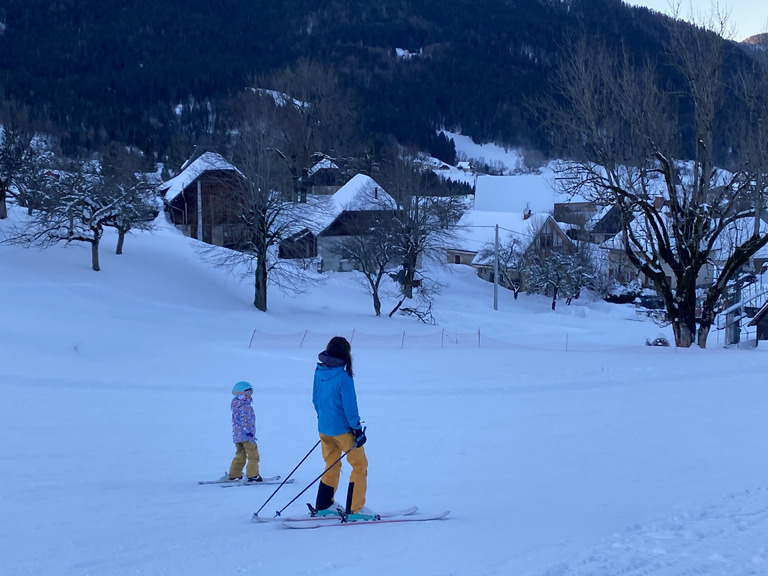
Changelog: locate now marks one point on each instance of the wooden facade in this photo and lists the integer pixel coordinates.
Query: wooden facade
(549, 238)
(760, 322)
(205, 202)
(302, 244)
(590, 222)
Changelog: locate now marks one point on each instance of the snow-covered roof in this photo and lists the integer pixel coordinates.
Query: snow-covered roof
(206, 161)
(362, 193)
(516, 193)
(315, 214)
(324, 164)
(735, 234)
(477, 228)
(600, 213)
(318, 212)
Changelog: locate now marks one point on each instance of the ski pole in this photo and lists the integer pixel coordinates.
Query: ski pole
(279, 512)
(286, 478)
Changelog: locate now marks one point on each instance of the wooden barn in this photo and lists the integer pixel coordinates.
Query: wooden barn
(203, 201)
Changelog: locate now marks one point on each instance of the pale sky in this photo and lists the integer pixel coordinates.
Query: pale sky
(748, 17)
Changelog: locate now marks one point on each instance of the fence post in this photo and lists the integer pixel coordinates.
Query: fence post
(352, 337)
(252, 336)
(303, 336)
(478, 337)
(442, 338)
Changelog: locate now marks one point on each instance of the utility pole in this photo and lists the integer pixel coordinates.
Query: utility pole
(496, 268)
(199, 210)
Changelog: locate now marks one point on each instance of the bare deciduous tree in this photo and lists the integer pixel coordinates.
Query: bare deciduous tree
(559, 273)
(629, 148)
(266, 213)
(372, 249)
(75, 208)
(17, 161)
(511, 255)
(426, 219)
(123, 176)
(75, 204)
(315, 119)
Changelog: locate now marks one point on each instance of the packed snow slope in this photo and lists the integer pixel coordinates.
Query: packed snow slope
(572, 449)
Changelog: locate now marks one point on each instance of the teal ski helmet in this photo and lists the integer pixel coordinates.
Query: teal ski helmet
(241, 387)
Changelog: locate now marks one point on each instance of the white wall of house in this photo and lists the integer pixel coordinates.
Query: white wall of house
(454, 256)
(622, 270)
(330, 249)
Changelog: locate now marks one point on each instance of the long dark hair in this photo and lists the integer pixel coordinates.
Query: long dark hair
(339, 348)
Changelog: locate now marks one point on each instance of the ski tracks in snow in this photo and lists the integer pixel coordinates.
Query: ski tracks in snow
(728, 538)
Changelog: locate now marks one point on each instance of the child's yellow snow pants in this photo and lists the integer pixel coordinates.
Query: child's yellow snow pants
(245, 451)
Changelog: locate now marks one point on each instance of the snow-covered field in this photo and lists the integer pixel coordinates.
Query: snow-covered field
(575, 450)
(570, 450)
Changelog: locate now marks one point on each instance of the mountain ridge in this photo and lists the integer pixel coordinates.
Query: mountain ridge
(102, 71)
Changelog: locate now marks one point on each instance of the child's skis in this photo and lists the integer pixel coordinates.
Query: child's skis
(227, 483)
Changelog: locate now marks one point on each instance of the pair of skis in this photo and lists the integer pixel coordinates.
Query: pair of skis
(411, 514)
(309, 522)
(227, 483)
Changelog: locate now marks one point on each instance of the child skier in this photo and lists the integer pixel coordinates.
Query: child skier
(244, 435)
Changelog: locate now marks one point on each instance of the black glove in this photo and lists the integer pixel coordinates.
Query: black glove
(360, 438)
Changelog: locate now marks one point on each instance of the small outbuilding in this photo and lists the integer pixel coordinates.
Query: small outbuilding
(760, 322)
(301, 244)
(204, 200)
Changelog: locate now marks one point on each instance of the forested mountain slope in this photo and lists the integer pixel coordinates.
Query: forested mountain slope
(103, 70)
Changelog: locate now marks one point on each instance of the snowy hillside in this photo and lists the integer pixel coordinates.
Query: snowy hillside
(573, 450)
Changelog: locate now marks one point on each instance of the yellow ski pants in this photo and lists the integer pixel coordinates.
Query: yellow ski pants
(333, 447)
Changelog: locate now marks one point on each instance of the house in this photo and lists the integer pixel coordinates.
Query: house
(323, 223)
(543, 236)
(520, 206)
(621, 270)
(202, 200)
(591, 222)
(460, 256)
(746, 299)
(333, 241)
(322, 178)
(357, 207)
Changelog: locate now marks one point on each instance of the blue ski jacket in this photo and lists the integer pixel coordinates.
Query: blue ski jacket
(335, 400)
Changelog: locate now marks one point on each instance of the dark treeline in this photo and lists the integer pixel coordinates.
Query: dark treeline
(98, 71)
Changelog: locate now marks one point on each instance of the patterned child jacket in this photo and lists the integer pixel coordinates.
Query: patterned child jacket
(243, 419)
